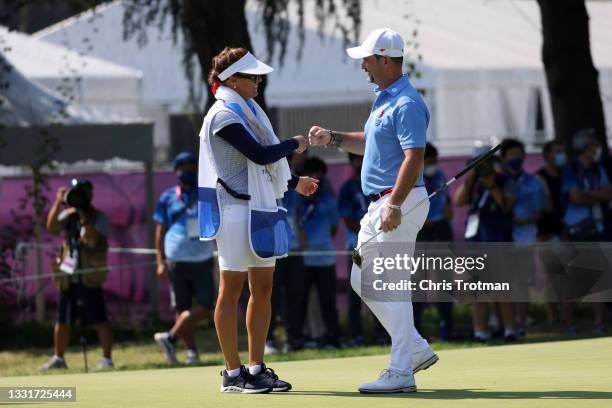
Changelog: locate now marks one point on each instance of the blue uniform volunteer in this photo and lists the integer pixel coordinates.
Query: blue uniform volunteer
(437, 228)
(583, 222)
(184, 258)
(318, 216)
(189, 259)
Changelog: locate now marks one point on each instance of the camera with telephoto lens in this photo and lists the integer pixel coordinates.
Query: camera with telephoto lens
(486, 168)
(79, 194)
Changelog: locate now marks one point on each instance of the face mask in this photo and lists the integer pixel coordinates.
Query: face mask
(430, 170)
(597, 156)
(188, 178)
(560, 159)
(515, 164)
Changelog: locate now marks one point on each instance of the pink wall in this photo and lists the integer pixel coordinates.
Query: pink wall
(122, 197)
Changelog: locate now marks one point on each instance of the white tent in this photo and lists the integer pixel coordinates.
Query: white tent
(105, 86)
(29, 110)
(481, 68)
(31, 116)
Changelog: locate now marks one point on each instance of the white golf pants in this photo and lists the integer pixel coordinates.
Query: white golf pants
(395, 316)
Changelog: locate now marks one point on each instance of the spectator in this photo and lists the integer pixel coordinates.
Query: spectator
(490, 196)
(319, 220)
(80, 271)
(526, 212)
(437, 228)
(184, 259)
(550, 226)
(352, 205)
(288, 277)
(586, 188)
(530, 200)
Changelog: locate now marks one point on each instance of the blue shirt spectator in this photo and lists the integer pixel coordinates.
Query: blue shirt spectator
(577, 176)
(494, 223)
(181, 243)
(438, 203)
(352, 204)
(398, 121)
(319, 219)
(437, 227)
(290, 202)
(530, 201)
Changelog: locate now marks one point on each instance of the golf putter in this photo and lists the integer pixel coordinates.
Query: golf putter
(356, 256)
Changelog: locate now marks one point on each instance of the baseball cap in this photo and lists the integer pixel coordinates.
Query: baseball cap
(248, 64)
(583, 138)
(184, 158)
(382, 41)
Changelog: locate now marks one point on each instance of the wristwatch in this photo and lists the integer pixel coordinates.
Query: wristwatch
(335, 139)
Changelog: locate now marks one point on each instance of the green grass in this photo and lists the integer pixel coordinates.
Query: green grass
(134, 348)
(554, 374)
(145, 354)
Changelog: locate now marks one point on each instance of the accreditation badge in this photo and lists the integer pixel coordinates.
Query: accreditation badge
(193, 228)
(69, 264)
(471, 228)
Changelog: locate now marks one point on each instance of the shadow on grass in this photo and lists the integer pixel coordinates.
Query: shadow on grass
(465, 394)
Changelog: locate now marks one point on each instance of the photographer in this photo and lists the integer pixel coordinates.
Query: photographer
(490, 196)
(84, 249)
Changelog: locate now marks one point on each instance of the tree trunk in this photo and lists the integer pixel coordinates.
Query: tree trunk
(573, 81)
(213, 25)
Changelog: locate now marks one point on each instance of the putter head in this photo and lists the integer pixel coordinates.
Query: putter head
(356, 257)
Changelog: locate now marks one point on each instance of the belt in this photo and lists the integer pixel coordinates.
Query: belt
(377, 196)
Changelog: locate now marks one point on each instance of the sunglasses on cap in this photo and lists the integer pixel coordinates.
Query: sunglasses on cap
(252, 77)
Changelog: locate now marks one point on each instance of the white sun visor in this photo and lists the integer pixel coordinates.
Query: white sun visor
(246, 65)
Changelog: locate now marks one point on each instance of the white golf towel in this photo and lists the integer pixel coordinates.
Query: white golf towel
(267, 222)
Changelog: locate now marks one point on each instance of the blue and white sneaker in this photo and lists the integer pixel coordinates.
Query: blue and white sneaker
(244, 383)
(269, 377)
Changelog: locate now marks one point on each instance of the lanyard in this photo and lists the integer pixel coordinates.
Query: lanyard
(179, 195)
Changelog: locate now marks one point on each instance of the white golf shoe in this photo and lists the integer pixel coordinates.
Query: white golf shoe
(390, 381)
(423, 359)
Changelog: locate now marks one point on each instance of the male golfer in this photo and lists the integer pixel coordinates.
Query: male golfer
(393, 144)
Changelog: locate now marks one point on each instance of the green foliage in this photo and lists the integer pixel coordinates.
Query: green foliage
(207, 27)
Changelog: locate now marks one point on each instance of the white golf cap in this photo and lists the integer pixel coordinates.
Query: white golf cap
(246, 65)
(382, 41)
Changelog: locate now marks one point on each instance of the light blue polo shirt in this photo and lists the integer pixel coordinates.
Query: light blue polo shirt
(594, 179)
(352, 203)
(530, 198)
(318, 215)
(398, 121)
(178, 246)
(438, 203)
(290, 202)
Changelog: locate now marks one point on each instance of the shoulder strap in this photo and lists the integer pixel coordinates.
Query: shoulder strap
(183, 210)
(233, 192)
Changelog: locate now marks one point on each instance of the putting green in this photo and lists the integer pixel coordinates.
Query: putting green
(560, 374)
